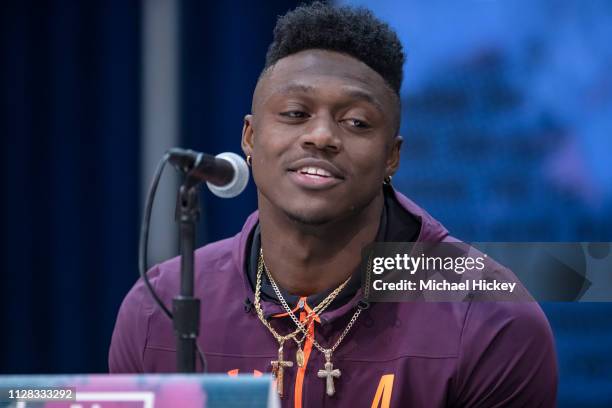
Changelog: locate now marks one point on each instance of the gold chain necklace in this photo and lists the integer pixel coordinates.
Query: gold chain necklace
(279, 365)
(328, 372)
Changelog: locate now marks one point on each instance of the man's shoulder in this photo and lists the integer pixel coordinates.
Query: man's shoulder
(521, 320)
(219, 261)
(215, 257)
(496, 311)
(140, 323)
(209, 254)
(507, 348)
(471, 325)
(212, 259)
(471, 322)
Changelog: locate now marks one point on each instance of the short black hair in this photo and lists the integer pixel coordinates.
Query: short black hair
(348, 30)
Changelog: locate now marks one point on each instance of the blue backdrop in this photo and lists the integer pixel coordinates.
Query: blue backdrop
(69, 123)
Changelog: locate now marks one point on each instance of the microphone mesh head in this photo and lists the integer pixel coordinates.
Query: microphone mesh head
(240, 180)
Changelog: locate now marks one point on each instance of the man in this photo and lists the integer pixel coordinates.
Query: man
(323, 142)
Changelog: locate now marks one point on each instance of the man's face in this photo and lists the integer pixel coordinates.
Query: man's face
(322, 136)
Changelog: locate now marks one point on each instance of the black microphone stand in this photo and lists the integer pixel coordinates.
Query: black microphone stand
(196, 167)
(186, 308)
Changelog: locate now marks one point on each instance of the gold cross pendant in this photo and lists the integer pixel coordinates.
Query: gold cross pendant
(278, 370)
(329, 373)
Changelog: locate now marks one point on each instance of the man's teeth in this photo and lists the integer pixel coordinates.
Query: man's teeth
(315, 171)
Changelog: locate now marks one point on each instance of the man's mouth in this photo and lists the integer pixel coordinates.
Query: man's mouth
(309, 166)
(314, 171)
(314, 178)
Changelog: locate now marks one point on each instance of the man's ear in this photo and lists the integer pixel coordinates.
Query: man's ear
(247, 135)
(393, 159)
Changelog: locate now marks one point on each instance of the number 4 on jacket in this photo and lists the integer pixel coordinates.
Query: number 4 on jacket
(382, 398)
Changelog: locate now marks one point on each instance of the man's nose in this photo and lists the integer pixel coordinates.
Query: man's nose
(322, 134)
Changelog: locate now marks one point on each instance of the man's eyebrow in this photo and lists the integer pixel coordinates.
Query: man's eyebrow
(364, 96)
(351, 92)
(294, 88)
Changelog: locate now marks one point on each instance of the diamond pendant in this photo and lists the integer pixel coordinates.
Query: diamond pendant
(328, 374)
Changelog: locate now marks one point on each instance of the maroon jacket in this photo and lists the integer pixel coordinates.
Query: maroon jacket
(417, 354)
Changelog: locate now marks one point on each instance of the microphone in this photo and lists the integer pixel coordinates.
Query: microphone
(225, 174)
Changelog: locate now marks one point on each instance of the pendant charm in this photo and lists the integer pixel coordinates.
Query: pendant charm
(278, 370)
(329, 373)
(299, 357)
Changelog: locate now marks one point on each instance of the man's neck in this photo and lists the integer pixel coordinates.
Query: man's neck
(307, 259)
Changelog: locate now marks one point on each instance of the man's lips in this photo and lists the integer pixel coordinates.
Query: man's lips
(316, 167)
(312, 181)
(315, 174)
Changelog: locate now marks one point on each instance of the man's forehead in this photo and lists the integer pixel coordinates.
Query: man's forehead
(323, 61)
(312, 70)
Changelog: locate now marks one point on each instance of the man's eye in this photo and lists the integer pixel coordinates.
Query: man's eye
(358, 123)
(294, 114)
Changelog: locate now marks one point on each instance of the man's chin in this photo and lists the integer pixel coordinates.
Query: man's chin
(312, 220)
(323, 215)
